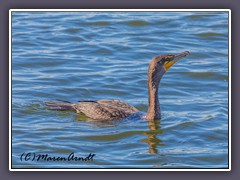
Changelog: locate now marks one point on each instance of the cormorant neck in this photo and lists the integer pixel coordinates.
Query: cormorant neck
(154, 77)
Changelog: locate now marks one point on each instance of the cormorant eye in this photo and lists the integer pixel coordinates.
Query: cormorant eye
(166, 59)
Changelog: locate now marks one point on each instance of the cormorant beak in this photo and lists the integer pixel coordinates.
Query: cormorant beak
(172, 59)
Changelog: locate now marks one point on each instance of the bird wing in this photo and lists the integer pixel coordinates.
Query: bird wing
(105, 109)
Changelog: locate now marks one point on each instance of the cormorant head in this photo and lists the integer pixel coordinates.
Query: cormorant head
(171, 59)
(165, 61)
(162, 63)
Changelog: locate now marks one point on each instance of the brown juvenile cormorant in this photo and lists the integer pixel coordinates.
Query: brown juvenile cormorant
(115, 109)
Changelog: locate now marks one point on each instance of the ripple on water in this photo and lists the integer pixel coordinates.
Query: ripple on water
(96, 55)
(137, 23)
(212, 34)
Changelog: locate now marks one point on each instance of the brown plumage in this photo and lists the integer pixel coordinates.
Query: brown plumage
(115, 109)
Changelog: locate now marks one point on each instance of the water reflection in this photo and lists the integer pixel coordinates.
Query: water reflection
(154, 129)
(152, 139)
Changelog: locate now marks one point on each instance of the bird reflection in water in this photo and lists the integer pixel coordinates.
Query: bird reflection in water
(152, 133)
(152, 140)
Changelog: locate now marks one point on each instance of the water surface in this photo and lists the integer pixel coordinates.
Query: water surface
(97, 55)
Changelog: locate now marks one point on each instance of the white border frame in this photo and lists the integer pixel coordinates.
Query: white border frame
(118, 10)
